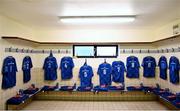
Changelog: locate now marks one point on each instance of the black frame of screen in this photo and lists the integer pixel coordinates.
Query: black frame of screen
(95, 51)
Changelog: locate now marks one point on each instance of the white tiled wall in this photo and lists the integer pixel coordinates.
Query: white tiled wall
(38, 74)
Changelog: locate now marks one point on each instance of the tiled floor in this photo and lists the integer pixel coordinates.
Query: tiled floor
(84, 106)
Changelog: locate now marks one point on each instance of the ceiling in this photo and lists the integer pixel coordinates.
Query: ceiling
(44, 13)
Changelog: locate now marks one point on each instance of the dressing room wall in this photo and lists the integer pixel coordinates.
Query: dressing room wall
(9, 27)
(12, 28)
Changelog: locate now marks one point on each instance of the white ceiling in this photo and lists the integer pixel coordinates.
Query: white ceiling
(43, 13)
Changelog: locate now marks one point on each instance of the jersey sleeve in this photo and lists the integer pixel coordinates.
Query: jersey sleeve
(80, 73)
(99, 68)
(159, 63)
(30, 61)
(15, 65)
(124, 67)
(110, 68)
(155, 64)
(91, 72)
(178, 64)
(61, 64)
(44, 65)
(127, 62)
(55, 63)
(138, 65)
(23, 64)
(143, 62)
(72, 63)
(4, 69)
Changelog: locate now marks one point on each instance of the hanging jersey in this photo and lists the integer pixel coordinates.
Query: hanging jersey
(132, 64)
(66, 67)
(104, 72)
(85, 75)
(50, 68)
(163, 67)
(9, 72)
(149, 66)
(118, 70)
(26, 67)
(174, 70)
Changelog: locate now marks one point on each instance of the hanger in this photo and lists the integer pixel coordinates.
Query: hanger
(85, 63)
(104, 60)
(51, 54)
(10, 49)
(17, 49)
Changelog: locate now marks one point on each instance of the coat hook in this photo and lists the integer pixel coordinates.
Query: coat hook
(132, 51)
(58, 51)
(27, 50)
(22, 50)
(140, 51)
(158, 51)
(10, 49)
(31, 51)
(162, 50)
(172, 49)
(124, 51)
(167, 50)
(16, 49)
(178, 49)
(43, 51)
(66, 51)
(148, 50)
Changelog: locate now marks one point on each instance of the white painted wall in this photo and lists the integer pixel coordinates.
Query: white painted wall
(11, 28)
(166, 30)
(94, 35)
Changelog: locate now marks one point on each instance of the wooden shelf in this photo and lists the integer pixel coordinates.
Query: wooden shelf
(83, 43)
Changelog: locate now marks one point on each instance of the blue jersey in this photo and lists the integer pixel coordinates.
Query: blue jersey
(132, 64)
(50, 68)
(118, 70)
(66, 67)
(163, 67)
(174, 70)
(104, 72)
(85, 75)
(26, 67)
(9, 72)
(149, 65)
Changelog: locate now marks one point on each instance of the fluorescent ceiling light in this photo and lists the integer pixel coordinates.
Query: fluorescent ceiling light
(96, 19)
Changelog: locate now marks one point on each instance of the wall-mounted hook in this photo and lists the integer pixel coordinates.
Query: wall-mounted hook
(66, 51)
(148, 51)
(172, 49)
(158, 51)
(22, 50)
(167, 50)
(51, 51)
(16, 49)
(140, 51)
(124, 51)
(132, 51)
(32, 51)
(10, 49)
(178, 49)
(43, 51)
(162, 50)
(59, 51)
(104, 60)
(27, 50)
